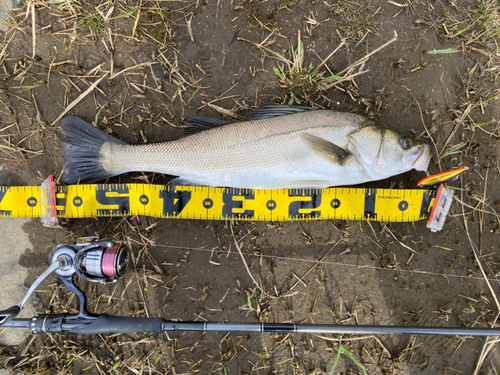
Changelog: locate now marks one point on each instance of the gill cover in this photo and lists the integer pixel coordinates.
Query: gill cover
(367, 143)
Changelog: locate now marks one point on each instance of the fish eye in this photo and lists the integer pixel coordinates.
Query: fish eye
(406, 142)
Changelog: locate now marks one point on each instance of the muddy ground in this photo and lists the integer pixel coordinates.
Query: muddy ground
(182, 54)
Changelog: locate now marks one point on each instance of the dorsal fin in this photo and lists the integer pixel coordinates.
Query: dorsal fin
(279, 110)
(197, 124)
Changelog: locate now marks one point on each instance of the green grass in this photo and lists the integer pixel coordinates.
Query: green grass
(303, 84)
(343, 350)
(476, 28)
(353, 19)
(479, 25)
(95, 23)
(455, 149)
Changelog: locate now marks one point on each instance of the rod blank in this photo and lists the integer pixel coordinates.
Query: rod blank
(290, 328)
(327, 328)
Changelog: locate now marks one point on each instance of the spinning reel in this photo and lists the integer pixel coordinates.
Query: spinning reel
(91, 259)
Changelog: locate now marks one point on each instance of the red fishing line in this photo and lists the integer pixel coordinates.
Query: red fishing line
(108, 261)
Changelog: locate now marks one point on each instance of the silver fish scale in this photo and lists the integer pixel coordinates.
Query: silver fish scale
(267, 153)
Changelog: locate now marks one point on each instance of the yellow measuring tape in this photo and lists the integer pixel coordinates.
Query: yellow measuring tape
(195, 202)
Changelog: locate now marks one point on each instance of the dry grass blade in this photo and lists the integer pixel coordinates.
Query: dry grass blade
(131, 68)
(33, 28)
(4, 49)
(402, 244)
(363, 59)
(492, 212)
(79, 99)
(222, 111)
(342, 43)
(244, 261)
(428, 133)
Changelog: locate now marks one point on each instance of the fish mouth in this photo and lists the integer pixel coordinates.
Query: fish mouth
(420, 159)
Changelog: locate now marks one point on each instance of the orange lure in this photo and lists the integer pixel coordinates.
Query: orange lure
(441, 177)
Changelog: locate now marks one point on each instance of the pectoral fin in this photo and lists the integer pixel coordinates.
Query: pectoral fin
(325, 149)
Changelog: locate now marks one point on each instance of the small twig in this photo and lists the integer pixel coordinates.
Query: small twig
(342, 43)
(428, 133)
(477, 209)
(402, 244)
(243, 259)
(33, 28)
(222, 111)
(366, 57)
(130, 68)
(79, 99)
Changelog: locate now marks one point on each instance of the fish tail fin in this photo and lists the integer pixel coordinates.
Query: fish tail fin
(82, 144)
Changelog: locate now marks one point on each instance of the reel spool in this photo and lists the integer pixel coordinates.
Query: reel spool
(93, 260)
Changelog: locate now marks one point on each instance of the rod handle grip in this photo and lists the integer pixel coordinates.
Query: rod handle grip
(117, 324)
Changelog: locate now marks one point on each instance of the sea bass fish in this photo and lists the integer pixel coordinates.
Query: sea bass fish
(280, 147)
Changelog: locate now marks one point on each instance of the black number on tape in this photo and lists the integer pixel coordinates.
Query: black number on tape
(61, 200)
(230, 204)
(3, 191)
(425, 209)
(123, 203)
(174, 201)
(311, 205)
(370, 195)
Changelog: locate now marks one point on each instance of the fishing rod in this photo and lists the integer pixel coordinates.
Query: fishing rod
(106, 261)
